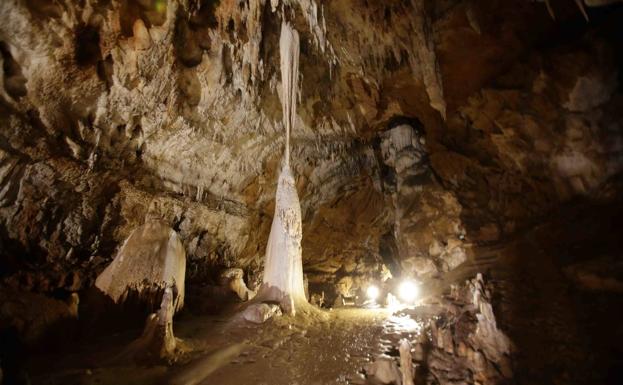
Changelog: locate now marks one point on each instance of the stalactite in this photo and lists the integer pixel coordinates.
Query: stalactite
(283, 271)
(289, 53)
(425, 60)
(580, 4)
(550, 10)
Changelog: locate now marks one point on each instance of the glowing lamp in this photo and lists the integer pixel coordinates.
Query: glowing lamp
(408, 291)
(372, 292)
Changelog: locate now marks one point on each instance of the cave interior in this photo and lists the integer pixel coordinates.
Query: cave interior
(311, 192)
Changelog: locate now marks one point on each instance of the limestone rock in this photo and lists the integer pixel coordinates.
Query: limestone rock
(418, 352)
(470, 331)
(139, 91)
(591, 91)
(111, 118)
(142, 40)
(454, 255)
(422, 267)
(317, 299)
(34, 315)
(233, 279)
(260, 312)
(384, 370)
(604, 274)
(344, 286)
(406, 366)
(150, 260)
(157, 343)
(421, 207)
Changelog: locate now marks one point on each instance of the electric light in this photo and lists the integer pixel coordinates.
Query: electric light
(372, 292)
(408, 291)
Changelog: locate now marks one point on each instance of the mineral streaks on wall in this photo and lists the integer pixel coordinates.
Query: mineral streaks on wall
(425, 60)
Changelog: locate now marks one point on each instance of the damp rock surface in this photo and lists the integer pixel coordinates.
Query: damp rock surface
(342, 346)
(150, 260)
(122, 112)
(428, 140)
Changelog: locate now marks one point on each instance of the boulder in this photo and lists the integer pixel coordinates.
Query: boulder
(384, 370)
(420, 266)
(453, 257)
(260, 312)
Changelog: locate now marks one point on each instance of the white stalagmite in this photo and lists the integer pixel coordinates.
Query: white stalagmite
(283, 270)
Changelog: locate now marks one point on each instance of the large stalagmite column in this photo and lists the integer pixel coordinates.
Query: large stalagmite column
(283, 270)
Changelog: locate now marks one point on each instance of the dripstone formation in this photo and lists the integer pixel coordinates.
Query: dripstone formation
(181, 157)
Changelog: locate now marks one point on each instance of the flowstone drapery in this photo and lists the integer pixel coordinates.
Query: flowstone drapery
(151, 259)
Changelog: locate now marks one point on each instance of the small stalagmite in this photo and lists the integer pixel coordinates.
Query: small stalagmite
(233, 280)
(151, 259)
(157, 342)
(406, 365)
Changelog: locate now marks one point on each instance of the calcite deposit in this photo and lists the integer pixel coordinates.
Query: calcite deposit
(150, 261)
(141, 148)
(118, 113)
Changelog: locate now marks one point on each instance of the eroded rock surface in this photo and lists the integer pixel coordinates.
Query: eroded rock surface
(157, 343)
(260, 312)
(121, 112)
(455, 339)
(424, 129)
(151, 260)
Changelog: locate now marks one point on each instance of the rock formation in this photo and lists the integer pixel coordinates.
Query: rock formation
(426, 139)
(406, 364)
(283, 269)
(131, 117)
(157, 343)
(384, 371)
(233, 280)
(150, 260)
(260, 312)
(463, 343)
(466, 339)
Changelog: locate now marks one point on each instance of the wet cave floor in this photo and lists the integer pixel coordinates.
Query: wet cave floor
(329, 348)
(564, 333)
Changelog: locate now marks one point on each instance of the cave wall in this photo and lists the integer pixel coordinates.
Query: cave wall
(114, 112)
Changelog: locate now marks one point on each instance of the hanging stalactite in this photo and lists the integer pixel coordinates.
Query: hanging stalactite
(283, 270)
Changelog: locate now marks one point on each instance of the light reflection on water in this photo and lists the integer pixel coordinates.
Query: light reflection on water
(404, 323)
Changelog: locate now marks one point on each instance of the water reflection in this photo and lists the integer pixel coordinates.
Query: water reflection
(404, 323)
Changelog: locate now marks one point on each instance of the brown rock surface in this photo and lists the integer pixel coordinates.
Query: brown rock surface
(172, 113)
(424, 131)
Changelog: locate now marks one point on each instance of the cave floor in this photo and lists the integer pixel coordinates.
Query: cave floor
(329, 348)
(563, 333)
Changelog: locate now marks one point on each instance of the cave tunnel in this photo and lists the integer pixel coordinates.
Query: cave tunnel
(311, 192)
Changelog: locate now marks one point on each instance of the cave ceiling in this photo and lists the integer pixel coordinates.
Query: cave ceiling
(423, 128)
